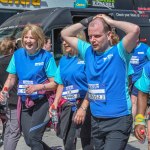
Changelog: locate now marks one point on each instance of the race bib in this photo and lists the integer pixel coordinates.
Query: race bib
(97, 92)
(23, 84)
(81, 62)
(71, 93)
(134, 60)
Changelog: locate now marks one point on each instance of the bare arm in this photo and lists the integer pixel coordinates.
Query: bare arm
(85, 103)
(47, 86)
(69, 34)
(57, 97)
(81, 112)
(142, 103)
(132, 31)
(10, 82)
(141, 109)
(52, 85)
(129, 41)
(132, 34)
(58, 94)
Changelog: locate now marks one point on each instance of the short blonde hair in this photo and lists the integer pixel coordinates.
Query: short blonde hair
(7, 46)
(114, 38)
(36, 32)
(81, 35)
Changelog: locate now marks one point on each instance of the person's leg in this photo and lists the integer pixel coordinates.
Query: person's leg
(118, 132)
(3, 128)
(4, 120)
(7, 131)
(86, 144)
(98, 137)
(70, 140)
(26, 118)
(86, 132)
(12, 131)
(40, 119)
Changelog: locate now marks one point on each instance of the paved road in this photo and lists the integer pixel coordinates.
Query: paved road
(53, 141)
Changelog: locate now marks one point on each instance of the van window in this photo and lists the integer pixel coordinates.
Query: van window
(56, 44)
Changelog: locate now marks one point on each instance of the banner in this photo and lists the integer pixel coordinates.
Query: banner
(80, 4)
(142, 4)
(112, 4)
(34, 4)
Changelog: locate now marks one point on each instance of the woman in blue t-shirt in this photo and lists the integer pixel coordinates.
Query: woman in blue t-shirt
(72, 87)
(33, 67)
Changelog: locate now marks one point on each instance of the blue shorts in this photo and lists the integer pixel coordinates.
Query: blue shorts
(134, 91)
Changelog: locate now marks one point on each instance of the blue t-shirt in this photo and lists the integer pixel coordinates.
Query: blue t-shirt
(143, 83)
(140, 56)
(130, 70)
(34, 69)
(71, 71)
(107, 74)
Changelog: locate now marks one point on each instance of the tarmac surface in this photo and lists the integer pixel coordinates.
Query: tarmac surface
(56, 143)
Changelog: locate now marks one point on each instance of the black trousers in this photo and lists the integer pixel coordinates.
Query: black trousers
(33, 124)
(82, 131)
(111, 133)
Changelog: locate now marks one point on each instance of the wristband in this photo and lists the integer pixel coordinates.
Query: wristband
(140, 123)
(85, 22)
(140, 119)
(83, 108)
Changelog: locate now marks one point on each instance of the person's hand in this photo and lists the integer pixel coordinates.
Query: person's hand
(85, 22)
(31, 88)
(106, 18)
(137, 132)
(54, 105)
(79, 116)
(2, 96)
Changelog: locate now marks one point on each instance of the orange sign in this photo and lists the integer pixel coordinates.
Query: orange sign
(22, 2)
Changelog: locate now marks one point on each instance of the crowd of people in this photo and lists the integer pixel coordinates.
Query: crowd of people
(90, 86)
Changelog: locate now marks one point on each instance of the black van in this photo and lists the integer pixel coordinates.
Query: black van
(52, 20)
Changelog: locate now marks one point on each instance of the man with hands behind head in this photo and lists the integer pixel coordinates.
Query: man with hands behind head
(106, 71)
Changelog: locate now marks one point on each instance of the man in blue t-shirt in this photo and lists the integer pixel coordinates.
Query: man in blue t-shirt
(106, 71)
(143, 85)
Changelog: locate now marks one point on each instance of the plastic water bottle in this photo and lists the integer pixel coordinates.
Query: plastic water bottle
(54, 115)
(5, 94)
(142, 133)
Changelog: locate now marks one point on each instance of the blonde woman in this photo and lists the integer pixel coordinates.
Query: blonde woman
(33, 66)
(72, 86)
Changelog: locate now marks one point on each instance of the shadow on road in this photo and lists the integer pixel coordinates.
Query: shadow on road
(56, 148)
(129, 147)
